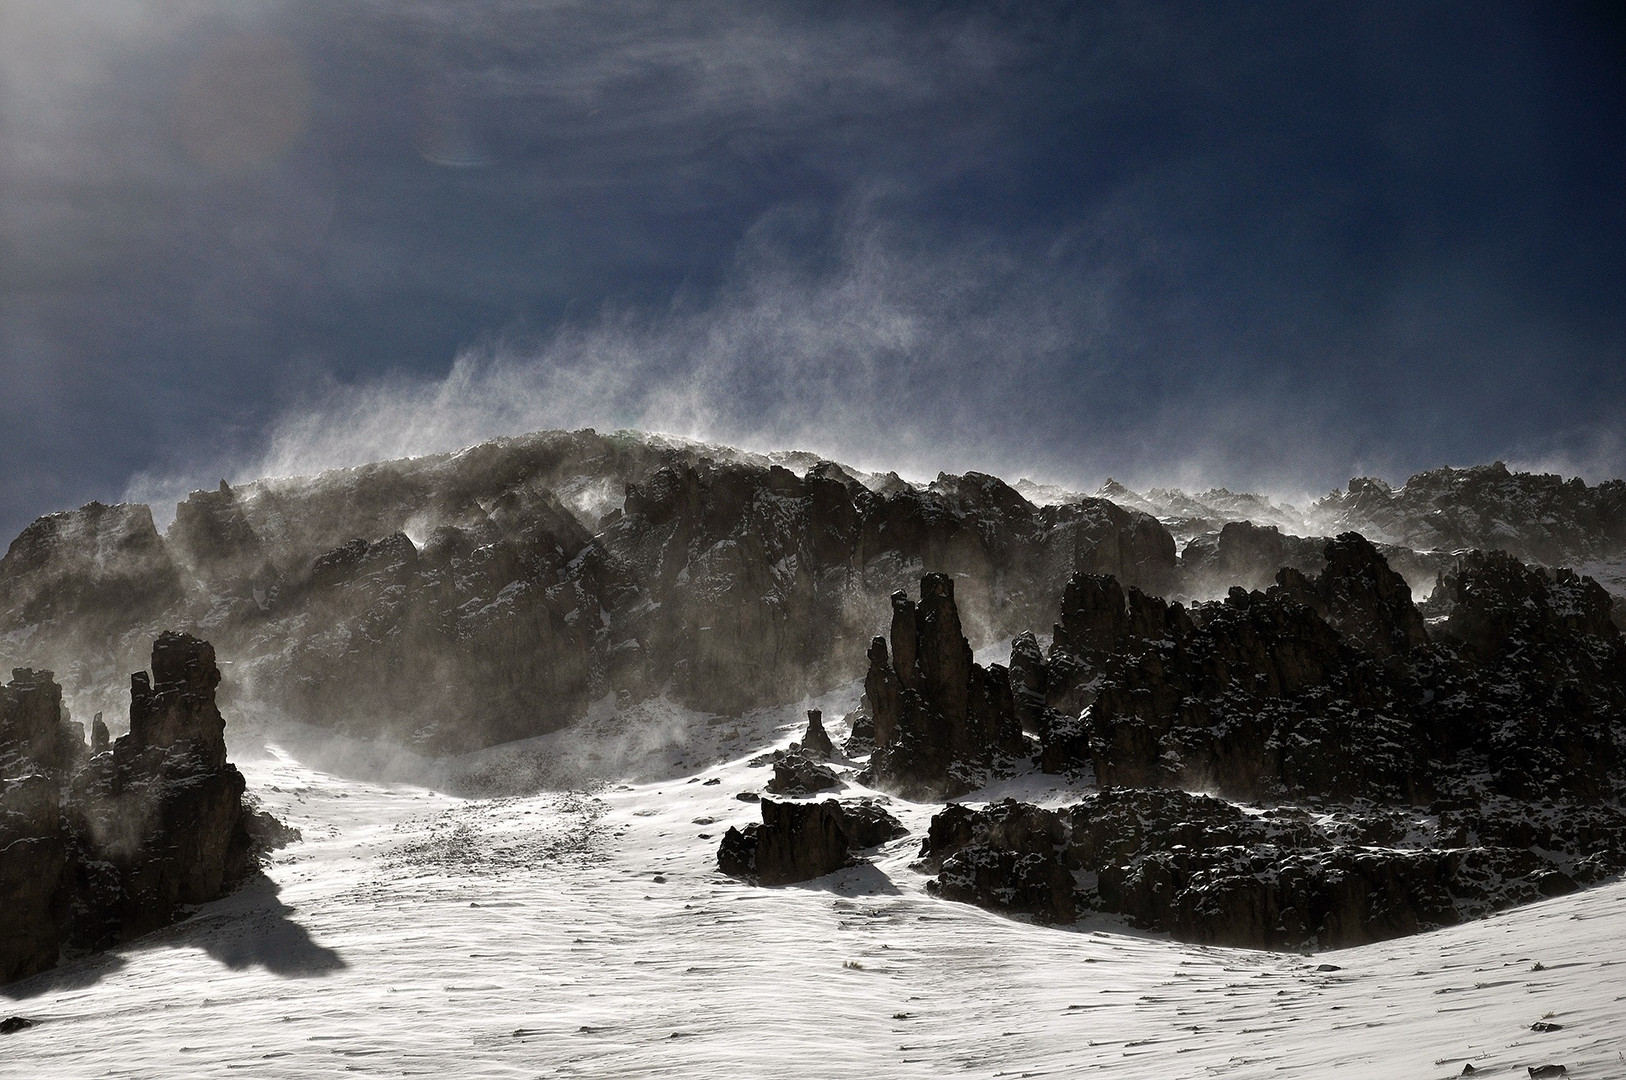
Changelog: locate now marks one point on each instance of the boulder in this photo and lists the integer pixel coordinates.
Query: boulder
(798, 841)
(794, 774)
(869, 824)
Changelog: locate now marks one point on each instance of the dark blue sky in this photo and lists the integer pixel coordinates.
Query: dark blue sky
(1263, 245)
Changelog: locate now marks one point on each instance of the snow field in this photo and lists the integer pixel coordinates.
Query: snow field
(588, 933)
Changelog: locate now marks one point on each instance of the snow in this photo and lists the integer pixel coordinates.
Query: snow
(587, 933)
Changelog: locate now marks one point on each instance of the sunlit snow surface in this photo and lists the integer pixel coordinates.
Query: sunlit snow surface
(415, 933)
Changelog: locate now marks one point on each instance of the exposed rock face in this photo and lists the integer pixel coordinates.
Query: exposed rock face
(98, 564)
(1254, 695)
(1535, 517)
(99, 848)
(1532, 681)
(1030, 685)
(799, 841)
(1246, 555)
(1327, 686)
(494, 593)
(1360, 597)
(1207, 871)
(767, 581)
(175, 706)
(1005, 857)
(941, 721)
(1324, 690)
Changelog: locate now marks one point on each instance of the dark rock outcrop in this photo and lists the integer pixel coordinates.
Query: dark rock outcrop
(816, 742)
(1329, 686)
(796, 774)
(98, 848)
(1209, 871)
(940, 721)
(869, 824)
(1006, 857)
(1244, 554)
(1252, 696)
(1448, 777)
(1360, 597)
(799, 841)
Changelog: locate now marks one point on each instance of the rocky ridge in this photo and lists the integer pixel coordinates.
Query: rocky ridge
(491, 594)
(1229, 538)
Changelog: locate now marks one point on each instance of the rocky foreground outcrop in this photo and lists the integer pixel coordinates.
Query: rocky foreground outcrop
(1409, 776)
(799, 841)
(1283, 877)
(1402, 774)
(100, 844)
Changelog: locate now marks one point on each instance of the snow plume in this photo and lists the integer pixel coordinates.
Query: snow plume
(878, 349)
(1595, 451)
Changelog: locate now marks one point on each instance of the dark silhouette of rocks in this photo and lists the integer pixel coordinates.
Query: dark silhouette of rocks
(1244, 554)
(1360, 597)
(869, 824)
(816, 742)
(1330, 686)
(797, 774)
(1208, 871)
(1256, 695)
(940, 721)
(799, 841)
(101, 847)
(1327, 691)
(1006, 857)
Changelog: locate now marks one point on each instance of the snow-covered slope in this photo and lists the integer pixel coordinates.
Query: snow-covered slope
(587, 932)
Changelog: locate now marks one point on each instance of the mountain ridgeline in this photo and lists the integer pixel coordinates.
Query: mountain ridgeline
(465, 599)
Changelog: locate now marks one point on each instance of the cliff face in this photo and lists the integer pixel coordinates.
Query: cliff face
(470, 598)
(102, 846)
